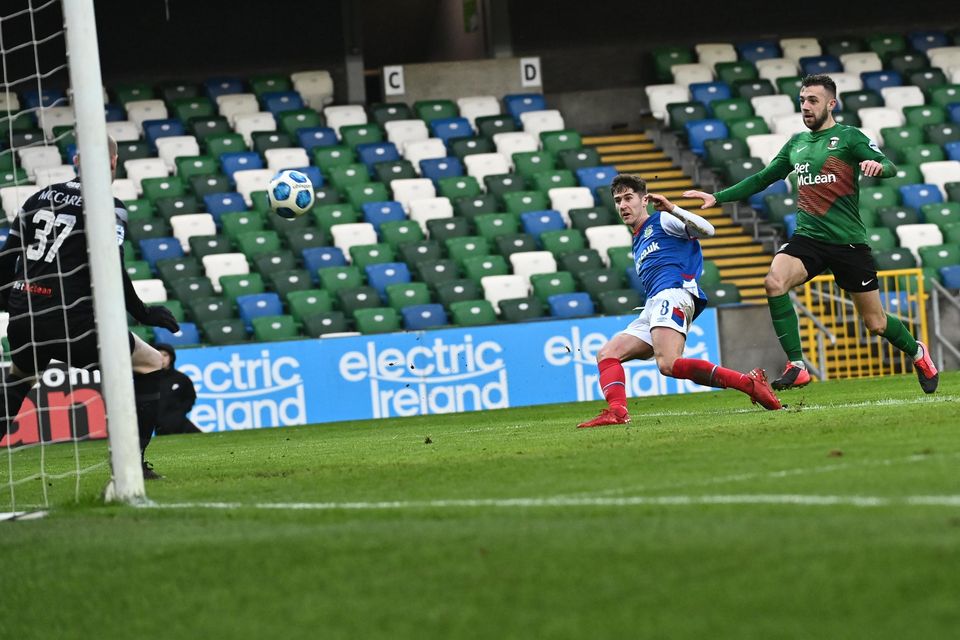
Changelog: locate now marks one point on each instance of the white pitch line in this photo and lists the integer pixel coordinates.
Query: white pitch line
(626, 501)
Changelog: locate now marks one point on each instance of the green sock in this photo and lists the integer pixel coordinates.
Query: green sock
(899, 337)
(787, 325)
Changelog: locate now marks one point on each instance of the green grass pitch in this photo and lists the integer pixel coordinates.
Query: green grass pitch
(704, 518)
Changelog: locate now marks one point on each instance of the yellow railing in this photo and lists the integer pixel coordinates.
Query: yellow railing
(856, 353)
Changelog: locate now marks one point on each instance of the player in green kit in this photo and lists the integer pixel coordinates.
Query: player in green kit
(828, 160)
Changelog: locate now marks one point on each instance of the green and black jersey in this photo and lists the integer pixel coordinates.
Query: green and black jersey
(827, 163)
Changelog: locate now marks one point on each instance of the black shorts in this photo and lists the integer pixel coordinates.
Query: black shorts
(33, 344)
(852, 265)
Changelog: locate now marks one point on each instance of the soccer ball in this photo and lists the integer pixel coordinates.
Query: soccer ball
(290, 193)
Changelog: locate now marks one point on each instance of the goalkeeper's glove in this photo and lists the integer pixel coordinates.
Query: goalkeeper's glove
(160, 316)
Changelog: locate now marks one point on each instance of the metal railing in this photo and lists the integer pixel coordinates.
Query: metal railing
(938, 295)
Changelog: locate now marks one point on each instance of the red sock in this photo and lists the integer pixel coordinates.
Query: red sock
(710, 375)
(613, 382)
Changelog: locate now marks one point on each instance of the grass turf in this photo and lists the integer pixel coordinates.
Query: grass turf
(513, 524)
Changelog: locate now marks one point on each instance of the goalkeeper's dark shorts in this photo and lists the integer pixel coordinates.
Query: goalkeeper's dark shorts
(35, 342)
(852, 265)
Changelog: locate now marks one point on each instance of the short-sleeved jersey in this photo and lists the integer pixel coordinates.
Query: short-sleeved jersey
(52, 268)
(827, 164)
(667, 257)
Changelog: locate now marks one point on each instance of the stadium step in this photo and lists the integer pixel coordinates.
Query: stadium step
(731, 248)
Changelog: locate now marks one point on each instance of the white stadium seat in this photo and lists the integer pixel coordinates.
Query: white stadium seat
(231, 105)
(773, 68)
(247, 123)
(344, 115)
(124, 189)
(900, 97)
(352, 234)
(12, 198)
(151, 291)
(217, 265)
(123, 131)
(766, 145)
(860, 61)
(139, 169)
(563, 199)
(529, 263)
(399, 132)
(536, 122)
(9, 101)
(51, 117)
(513, 142)
(940, 173)
(315, 87)
(481, 165)
(286, 158)
(407, 189)
(660, 95)
(423, 210)
(473, 107)
(505, 287)
(944, 57)
(416, 150)
(187, 225)
(45, 176)
(846, 82)
(604, 237)
(914, 236)
(710, 53)
(33, 158)
(877, 118)
(767, 107)
(788, 123)
(687, 74)
(139, 111)
(796, 48)
(172, 147)
(250, 180)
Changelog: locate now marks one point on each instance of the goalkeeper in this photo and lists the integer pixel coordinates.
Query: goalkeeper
(828, 160)
(45, 287)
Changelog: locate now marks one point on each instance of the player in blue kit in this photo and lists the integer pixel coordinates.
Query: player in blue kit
(669, 260)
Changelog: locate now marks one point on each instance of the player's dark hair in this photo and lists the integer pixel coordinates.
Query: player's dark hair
(626, 181)
(820, 80)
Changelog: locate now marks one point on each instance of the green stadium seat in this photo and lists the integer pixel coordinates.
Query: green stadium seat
(621, 258)
(458, 186)
(753, 88)
(457, 290)
(398, 232)
(938, 256)
(573, 159)
(951, 233)
(217, 145)
(779, 206)
(489, 126)
(331, 214)
(435, 272)
(665, 57)
(234, 286)
(896, 258)
(386, 172)
(343, 176)
(906, 174)
(138, 269)
(472, 206)
(461, 248)
(886, 44)
(849, 118)
(377, 320)
(238, 222)
(333, 279)
(364, 255)
(139, 230)
(354, 134)
(721, 294)
(187, 108)
(511, 243)
(253, 243)
(286, 281)
(429, 110)
(921, 153)
(582, 260)
(191, 287)
(521, 309)
(554, 141)
(360, 194)
(154, 188)
(731, 109)
(263, 141)
(906, 63)
(710, 275)
(405, 294)
(274, 328)
(140, 209)
(168, 206)
(209, 308)
(941, 213)
(223, 332)
(143, 332)
(413, 253)
(619, 302)
(442, 229)
(479, 267)
(881, 238)
(953, 191)
(530, 163)
(927, 79)
(548, 284)
(504, 183)
(295, 119)
(876, 197)
(598, 281)
(350, 300)
(745, 127)
(283, 225)
(189, 166)
(493, 225)
(546, 180)
(900, 138)
(562, 241)
(942, 134)
(172, 269)
(893, 217)
(269, 83)
(518, 202)
(273, 261)
(306, 238)
(320, 324)
(128, 150)
(731, 72)
(326, 158)
(386, 112)
(680, 113)
(463, 147)
(205, 127)
(204, 185)
(326, 195)
(471, 313)
(583, 219)
(303, 303)
(923, 115)
(789, 85)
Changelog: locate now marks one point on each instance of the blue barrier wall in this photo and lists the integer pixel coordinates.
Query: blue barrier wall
(251, 386)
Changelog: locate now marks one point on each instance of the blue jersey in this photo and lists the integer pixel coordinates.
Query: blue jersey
(667, 257)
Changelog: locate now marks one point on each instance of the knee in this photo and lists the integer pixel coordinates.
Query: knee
(606, 352)
(876, 323)
(665, 364)
(774, 285)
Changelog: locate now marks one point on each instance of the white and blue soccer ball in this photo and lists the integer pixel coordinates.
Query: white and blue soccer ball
(290, 193)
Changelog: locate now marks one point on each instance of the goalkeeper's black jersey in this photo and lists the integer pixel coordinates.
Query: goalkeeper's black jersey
(48, 243)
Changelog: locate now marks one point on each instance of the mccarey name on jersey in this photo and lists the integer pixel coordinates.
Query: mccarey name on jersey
(62, 198)
(804, 179)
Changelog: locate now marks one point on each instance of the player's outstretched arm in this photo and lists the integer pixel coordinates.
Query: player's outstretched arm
(708, 199)
(697, 226)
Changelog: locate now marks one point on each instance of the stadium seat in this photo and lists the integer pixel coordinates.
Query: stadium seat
(473, 107)
(917, 195)
(316, 258)
(939, 256)
(312, 137)
(405, 294)
(387, 172)
(664, 58)
(325, 323)
(187, 336)
(333, 279)
(162, 248)
(380, 213)
(537, 222)
(399, 132)
(424, 210)
(419, 251)
(354, 299)
(201, 246)
(529, 263)
(457, 290)
(660, 95)
(470, 313)
(255, 305)
(217, 266)
(447, 129)
(360, 134)
(518, 103)
(350, 235)
(436, 271)
(603, 238)
(361, 193)
(269, 263)
(819, 64)
(721, 294)
(914, 236)
(940, 173)
(511, 243)
(489, 126)
(570, 305)
(382, 275)
(503, 287)
(377, 320)
(562, 241)
(691, 73)
(951, 277)
(437, 169)
(895, 258)
(234, 286)
(620, 302)
(698, 131)
(274, 328)
(545, 285)
(195, 224)
(424, 316)
(338, 116)
(941, 214)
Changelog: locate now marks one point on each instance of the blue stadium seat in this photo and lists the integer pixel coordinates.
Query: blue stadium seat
(596, 177)
(570, 305)
(315, 258)
(448, 129)
(517, 103)
(423, 316)
(277, 101)
(876, 80)
(254, 305)
(953, 112)
(153, 249)
(699, 131)
(917, 195)
(790, 224)
(536, 222)
(235, 161)
(924, 40)
(114, 113)
(370, 153)
(376, 213)
(380, 276)
(758, 50)
(316, 177)
(707, 92)
(757, 200)
(438, 168)
(951, 276)
(49, 97)
(218, 204)
(221, 86)
(153, 129)
(5, 231)
(188, 335)
(811, 65)
(898, 303)
(953, 148)
(311, 137)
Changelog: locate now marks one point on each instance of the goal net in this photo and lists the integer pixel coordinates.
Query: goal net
(55, 447)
